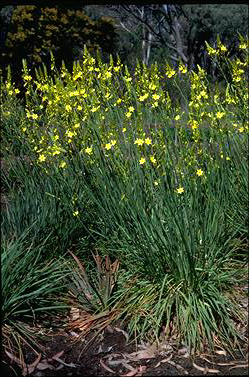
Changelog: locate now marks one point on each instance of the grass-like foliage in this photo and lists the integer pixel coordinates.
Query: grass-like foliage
(30, 285)
(108, 163)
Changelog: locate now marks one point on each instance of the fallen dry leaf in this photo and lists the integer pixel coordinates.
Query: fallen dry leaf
(137, 371)
(206, 369)
(221, 352)
(60, 367)
(148, 353)
(26, 369)
(123, 362)
(44, 365)
(164, 361)
(128, 366)
(220, 364)
(106, 367)
(14, 358)
(59, 354)
(115, 362)
(177, 366)
(240, 366)
(71, 365)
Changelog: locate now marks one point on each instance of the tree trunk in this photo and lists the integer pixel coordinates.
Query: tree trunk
(146, 46)
(178, 39)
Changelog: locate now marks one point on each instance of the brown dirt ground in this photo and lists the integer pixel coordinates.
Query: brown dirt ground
(109, 354)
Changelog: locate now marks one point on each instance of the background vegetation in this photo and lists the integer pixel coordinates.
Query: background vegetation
(150, 33)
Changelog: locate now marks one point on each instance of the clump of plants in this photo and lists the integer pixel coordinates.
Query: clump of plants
(159, 189)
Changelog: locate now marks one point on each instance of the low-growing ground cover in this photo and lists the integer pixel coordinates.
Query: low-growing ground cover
(124, 206)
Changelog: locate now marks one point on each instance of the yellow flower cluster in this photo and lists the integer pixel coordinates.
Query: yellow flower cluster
(126, 111)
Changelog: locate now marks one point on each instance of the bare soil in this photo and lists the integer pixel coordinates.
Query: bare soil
(64, 353)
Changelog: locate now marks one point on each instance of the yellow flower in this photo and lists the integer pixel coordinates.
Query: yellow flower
(243, 46)
(241, 129)
(56, 152)
(211, 51)
(220, 114)
(108, 74)
(177, 117)
(68, 108)
(76, 213)
(17, 91)
(128, 115)
(237, 78)
(199, 172)
(139, 142)
(182, 68)
(89, 150)
(62, 164)
(152, 86)
(70, 134)
(148, 141)
(124, 129)
(34, 116)
(180, 190)
(142, 98)
(113, 142)
(152, 159)
(156, 183)
(223, 48)
(42, 158)
(79, 108)
(155, 97)
(194, 124)
(142, 161)
(27, 78)
(94, 109)
(203, 93)
(131, 109)
(108, 146)
(170, 72)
